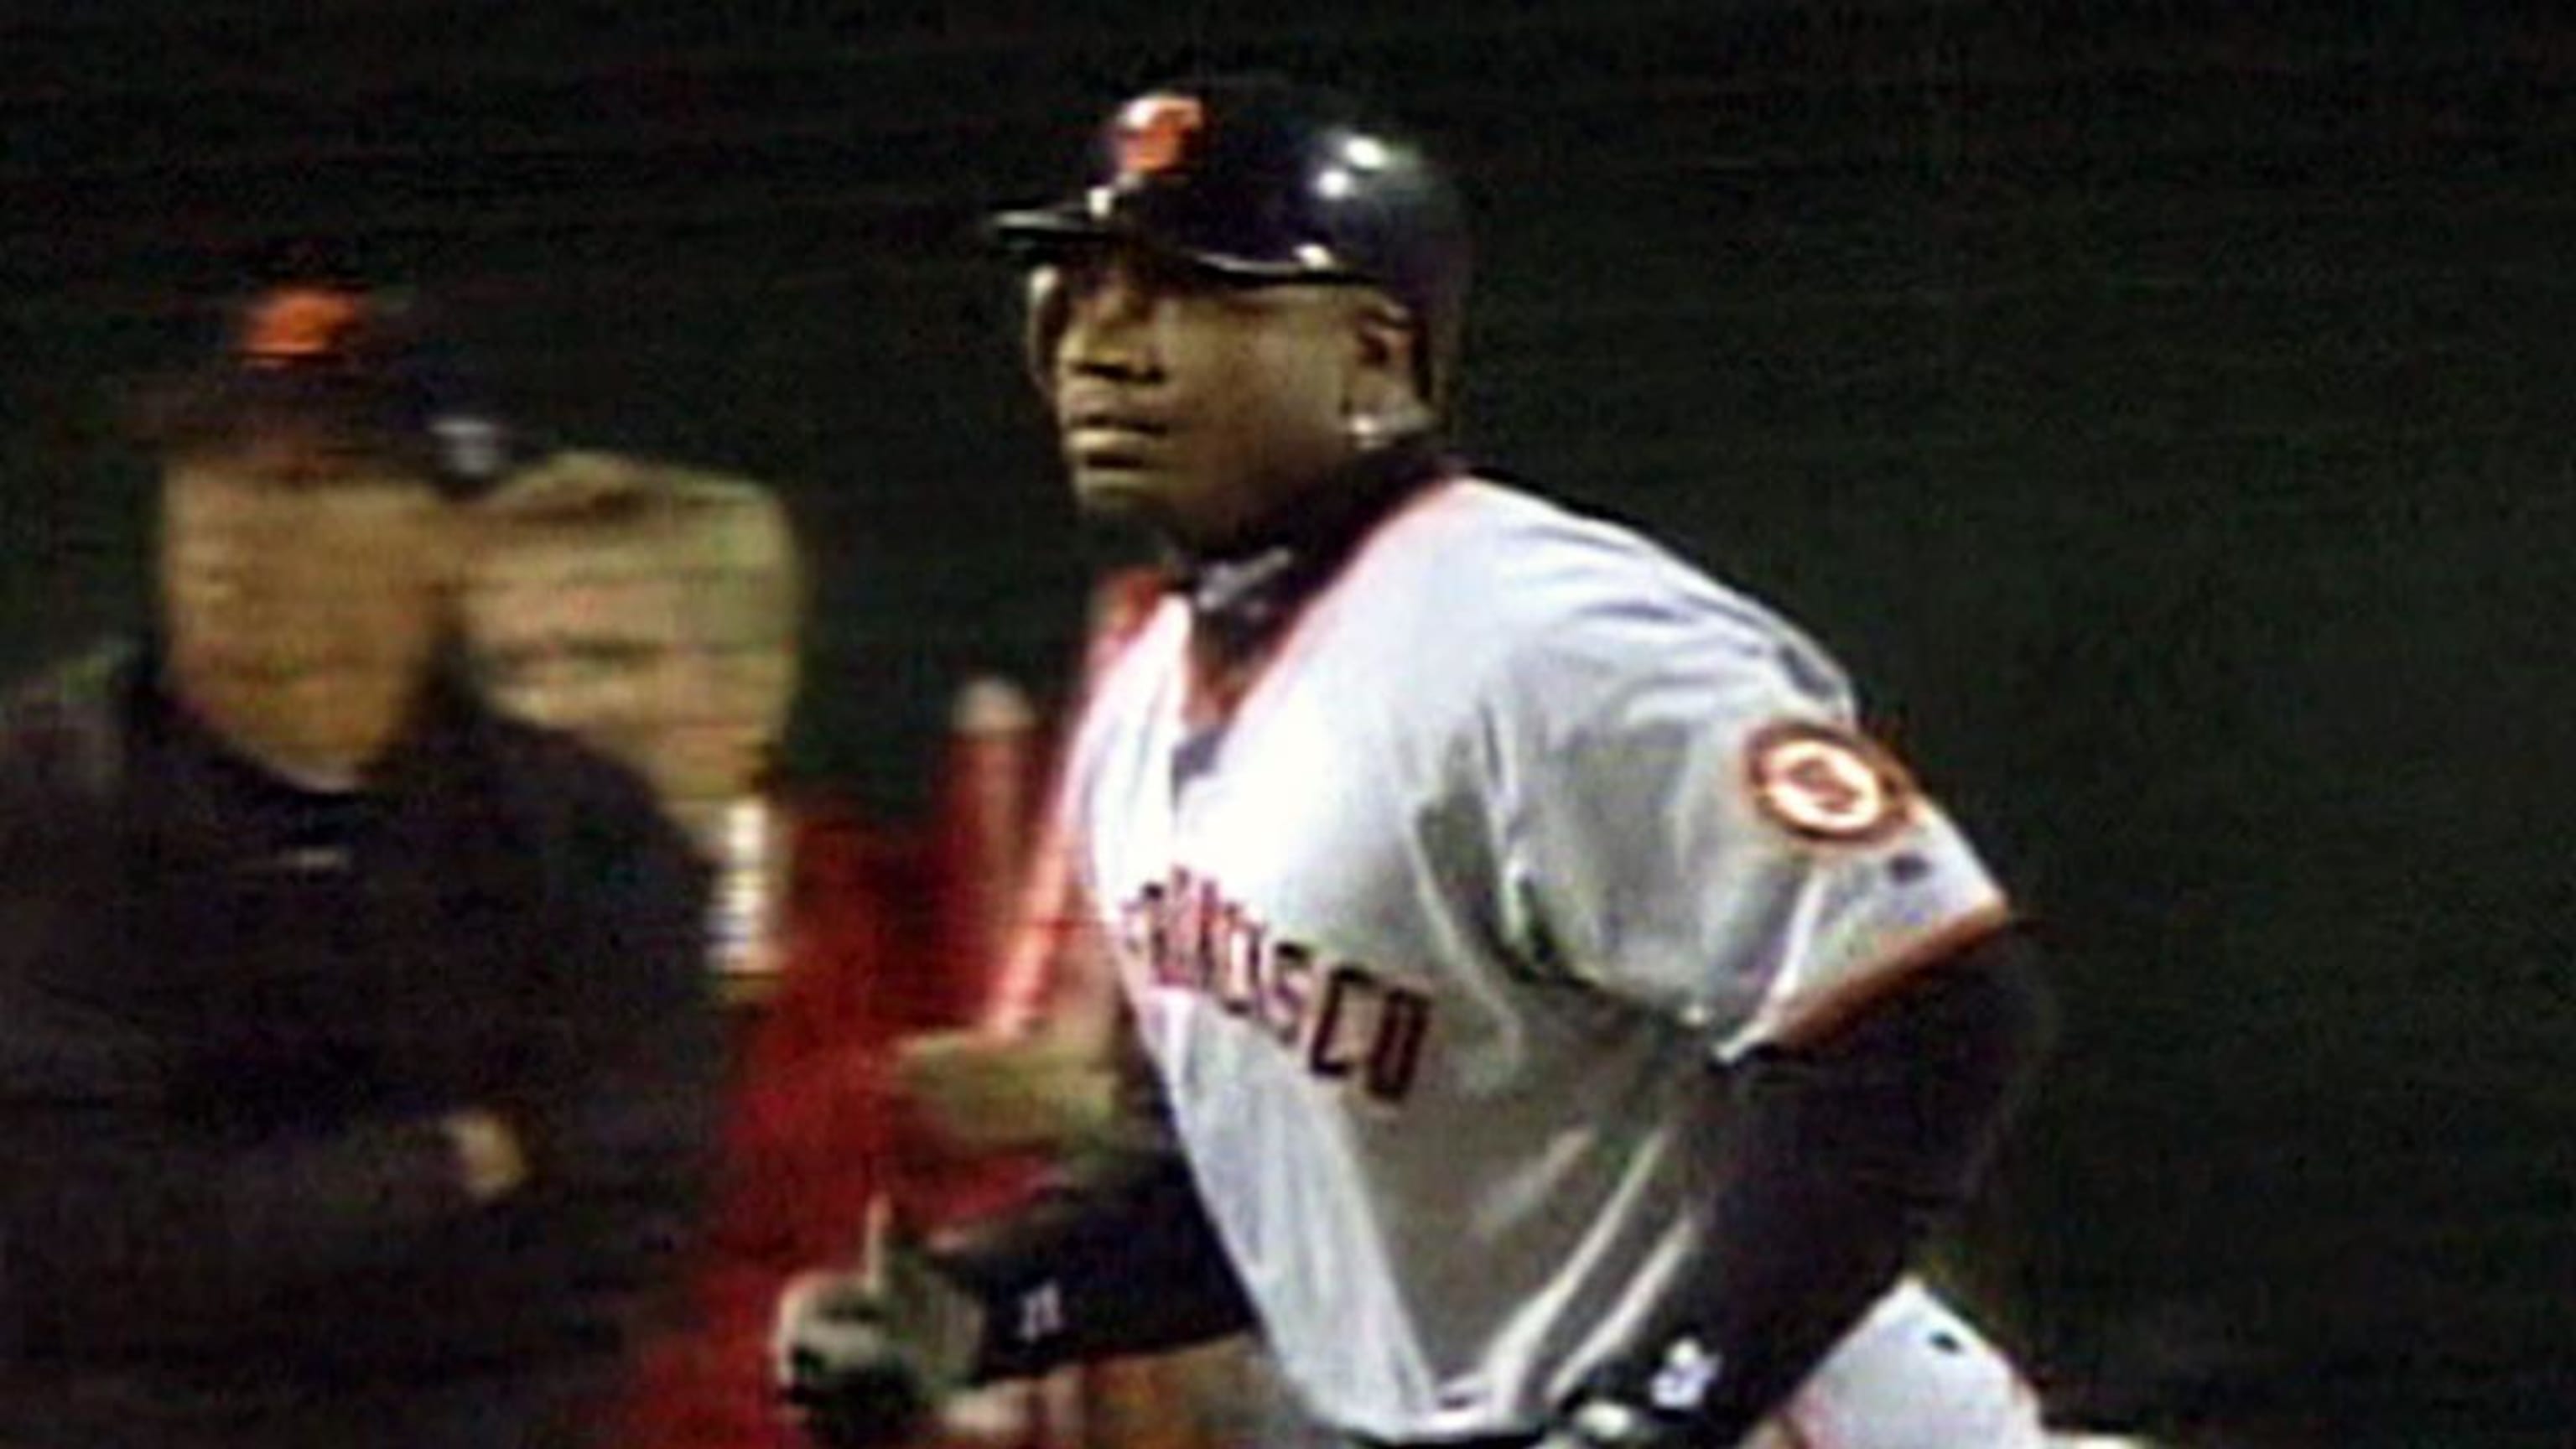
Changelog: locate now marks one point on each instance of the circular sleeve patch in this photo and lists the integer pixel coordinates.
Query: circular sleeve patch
(1827, 784)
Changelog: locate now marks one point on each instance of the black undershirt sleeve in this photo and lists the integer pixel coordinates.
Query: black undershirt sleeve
(1841, 1158)
(1116, 1256)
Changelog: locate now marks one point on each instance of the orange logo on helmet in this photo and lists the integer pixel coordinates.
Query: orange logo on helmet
(1154, 132)
(298, 325)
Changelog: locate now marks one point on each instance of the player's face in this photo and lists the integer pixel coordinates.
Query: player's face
(1200, 407)
(296, 573)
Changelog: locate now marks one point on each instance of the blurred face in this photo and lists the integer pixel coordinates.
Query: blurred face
(303, 593)
(1199, 407)
(622, 649)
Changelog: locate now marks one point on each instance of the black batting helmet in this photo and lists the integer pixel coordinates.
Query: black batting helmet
(1263, 181)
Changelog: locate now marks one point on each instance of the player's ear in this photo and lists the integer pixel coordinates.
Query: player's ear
(1382, 397)
(1042, 329)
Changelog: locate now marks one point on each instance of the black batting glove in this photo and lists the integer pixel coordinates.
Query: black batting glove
(866, 1360)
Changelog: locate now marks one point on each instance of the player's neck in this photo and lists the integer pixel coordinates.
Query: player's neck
(1242, 594)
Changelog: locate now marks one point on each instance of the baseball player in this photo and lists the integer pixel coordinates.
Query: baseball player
(1570, 1024)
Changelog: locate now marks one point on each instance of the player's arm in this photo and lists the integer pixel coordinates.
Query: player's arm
(1116, 1256)
(1120, 1259)
(1843, 1153)
(1690, 822)
(120, 1223)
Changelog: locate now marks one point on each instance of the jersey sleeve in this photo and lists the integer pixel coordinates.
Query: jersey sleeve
(1689, 820)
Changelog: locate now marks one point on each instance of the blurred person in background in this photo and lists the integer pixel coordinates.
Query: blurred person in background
(656, 611)
(355, 1063)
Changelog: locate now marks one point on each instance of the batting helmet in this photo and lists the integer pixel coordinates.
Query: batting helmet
(1263, 182)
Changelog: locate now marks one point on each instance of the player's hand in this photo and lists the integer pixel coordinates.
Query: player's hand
(987, 1091)
(842, 1367)
(866, 1359)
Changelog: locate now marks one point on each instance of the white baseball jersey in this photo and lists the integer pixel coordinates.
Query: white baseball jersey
(1434, 931)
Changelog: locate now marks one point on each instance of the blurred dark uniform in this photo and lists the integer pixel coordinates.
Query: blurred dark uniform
(233, 1015)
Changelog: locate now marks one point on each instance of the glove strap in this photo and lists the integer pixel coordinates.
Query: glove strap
(1666, 1409)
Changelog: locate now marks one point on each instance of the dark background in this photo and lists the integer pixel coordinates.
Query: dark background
(2150, 403)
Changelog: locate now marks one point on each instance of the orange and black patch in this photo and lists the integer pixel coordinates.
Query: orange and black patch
(1828, 785)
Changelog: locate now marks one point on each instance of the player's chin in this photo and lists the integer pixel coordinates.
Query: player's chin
(1118, 488)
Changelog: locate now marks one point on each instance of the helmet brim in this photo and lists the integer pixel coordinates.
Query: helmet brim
(1037, 235)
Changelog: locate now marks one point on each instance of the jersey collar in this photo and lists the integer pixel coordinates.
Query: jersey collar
(1239, 600)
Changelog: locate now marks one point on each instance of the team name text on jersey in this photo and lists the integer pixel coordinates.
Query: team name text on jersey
(1344, 1019)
